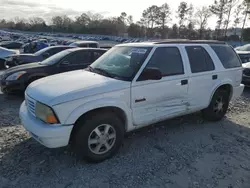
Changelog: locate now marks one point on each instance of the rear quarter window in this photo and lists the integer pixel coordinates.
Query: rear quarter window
(227, 56)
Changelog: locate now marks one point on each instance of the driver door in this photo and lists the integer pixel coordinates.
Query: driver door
(156, 100)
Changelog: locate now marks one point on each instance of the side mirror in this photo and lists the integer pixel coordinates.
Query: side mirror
(150, 73)
(65, 63)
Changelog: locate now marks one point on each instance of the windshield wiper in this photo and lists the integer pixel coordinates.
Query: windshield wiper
(101, 71)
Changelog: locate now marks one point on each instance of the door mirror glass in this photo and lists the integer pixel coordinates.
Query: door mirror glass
(150, 73)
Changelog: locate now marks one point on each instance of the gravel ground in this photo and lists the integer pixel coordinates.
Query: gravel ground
(179, 153)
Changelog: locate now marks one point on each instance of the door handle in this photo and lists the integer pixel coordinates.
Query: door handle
(184, 82)
(140, 100)
(214, 77)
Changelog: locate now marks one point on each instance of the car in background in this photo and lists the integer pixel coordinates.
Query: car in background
(17, 78)
(244, 53)
(4, 53)
(85, 44)
(11, 44)
(246, 74)
(20, 59)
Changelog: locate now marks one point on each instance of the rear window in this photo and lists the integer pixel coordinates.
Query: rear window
(227, 56)
(93, 45)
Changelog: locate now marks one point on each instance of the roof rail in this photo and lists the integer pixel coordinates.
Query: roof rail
(186, 41)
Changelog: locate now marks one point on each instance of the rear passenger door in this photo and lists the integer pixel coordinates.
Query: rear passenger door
(156, 100)
(202, 78)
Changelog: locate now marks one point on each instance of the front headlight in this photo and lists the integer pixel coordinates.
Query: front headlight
(45, 113)
(15, 76)
(9, 59)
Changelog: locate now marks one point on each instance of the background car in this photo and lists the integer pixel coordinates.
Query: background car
(85, 44)
(17, 78)
(11, 44)
(41, 55)
(246, 74)
(4, 52)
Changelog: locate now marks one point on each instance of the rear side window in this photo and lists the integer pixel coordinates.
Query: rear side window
(227, 56)
(200, 60)
(168, 60)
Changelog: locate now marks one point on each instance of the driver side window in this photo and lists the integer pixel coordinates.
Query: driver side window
(168, 60)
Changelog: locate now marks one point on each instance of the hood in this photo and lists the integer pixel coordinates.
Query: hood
(72, 85)
(23, 67)
(27, 58)
(246, 65)
(21, 55)
(6, 52)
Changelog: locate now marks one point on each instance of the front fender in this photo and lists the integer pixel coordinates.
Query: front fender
(100, 103)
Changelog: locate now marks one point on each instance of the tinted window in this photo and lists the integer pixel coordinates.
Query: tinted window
(54, 51)
(79, 57)
(168, 60)
(83, 45)
(227, 56)
(97, 54)
(199, 59)
(93, 45)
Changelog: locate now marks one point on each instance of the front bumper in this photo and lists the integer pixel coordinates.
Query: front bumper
(246, 80)
(12, 86)
(237, 91)
(51, 136)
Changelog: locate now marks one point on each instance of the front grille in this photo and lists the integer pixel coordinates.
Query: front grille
(31, 105)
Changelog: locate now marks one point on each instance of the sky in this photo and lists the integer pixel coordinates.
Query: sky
(10, 9)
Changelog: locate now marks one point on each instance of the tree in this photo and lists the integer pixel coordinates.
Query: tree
(202, 15)
(183, 12)
(150, 15)
(163, 17)
(229, 6)
(246, 34)
(237, 16)
(174, 32)
(135, 30)
(218, 9)
(246, 4)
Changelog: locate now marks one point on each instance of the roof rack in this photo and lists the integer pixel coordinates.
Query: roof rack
(186, 41)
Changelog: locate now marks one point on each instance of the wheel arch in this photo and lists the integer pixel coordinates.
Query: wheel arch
(226, 85)
(120, 113)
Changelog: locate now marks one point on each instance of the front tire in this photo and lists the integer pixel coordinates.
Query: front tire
(217, 107)
(98, 137)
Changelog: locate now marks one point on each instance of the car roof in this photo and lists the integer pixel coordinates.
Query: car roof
(85, 42)
(173, 41)
(77, 49)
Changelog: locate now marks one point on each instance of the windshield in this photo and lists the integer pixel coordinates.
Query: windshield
(55, 58)
(121, 62)
(243, 48)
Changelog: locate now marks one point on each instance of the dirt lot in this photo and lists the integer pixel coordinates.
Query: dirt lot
(184, 152)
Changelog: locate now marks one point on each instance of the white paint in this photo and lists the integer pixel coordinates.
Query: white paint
(75, 93)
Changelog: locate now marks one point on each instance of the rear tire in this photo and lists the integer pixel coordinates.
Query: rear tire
(98, 137)
(217, 107)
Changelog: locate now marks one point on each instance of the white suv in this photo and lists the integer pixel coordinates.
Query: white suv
(131, 86)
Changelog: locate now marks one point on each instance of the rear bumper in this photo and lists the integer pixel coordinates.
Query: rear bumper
(51, 136)
(237, 91)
